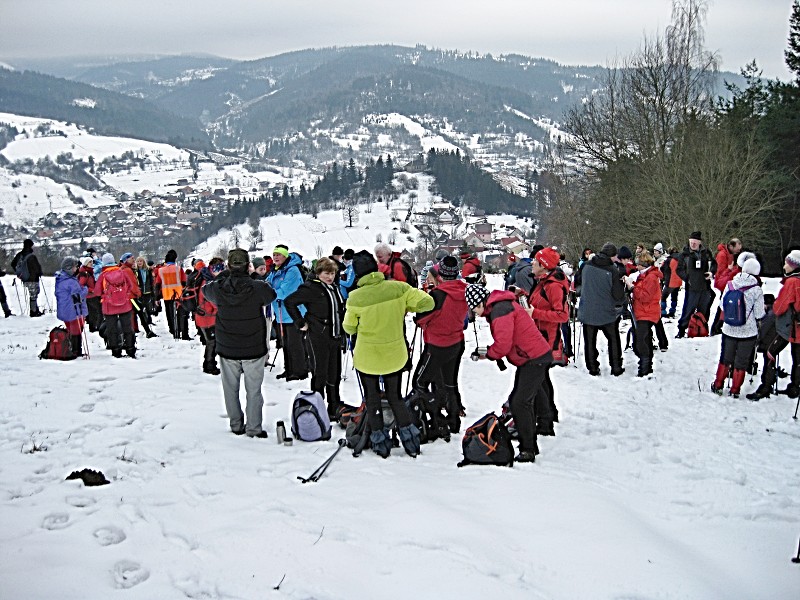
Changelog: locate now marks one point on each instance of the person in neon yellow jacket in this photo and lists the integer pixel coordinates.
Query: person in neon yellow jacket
(375, 313)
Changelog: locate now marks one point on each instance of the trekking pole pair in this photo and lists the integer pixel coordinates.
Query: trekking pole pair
(46, 298)
(320, 471)
(19, 300)
(411, 359)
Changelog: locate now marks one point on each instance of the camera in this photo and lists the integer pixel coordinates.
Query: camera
(478, 353)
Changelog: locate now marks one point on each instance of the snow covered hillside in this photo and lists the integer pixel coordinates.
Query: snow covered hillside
(652, 489)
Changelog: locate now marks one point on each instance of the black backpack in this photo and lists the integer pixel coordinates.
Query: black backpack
(21, 269)
(408, 271)
(487, 442)
(59, 345)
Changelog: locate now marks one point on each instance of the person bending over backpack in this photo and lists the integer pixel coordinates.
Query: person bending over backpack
(516, 338)
(115, 291)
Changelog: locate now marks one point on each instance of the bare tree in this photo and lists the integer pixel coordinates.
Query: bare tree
(350, 213)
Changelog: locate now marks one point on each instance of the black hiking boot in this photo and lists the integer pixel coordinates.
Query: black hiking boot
(761, 392)
(525, 457)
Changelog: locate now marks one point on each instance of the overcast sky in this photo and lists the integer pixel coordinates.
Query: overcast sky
(568, 31)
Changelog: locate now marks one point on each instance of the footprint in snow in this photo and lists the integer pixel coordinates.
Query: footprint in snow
(128, 573)
(109, 536)
(86, 408)
(102, 379)
(56, 521)
(80, 501)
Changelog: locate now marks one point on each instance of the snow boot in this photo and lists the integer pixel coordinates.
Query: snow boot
(381, 443)
(409, 436)
(719, 381)
(75, 342)
(738, 380)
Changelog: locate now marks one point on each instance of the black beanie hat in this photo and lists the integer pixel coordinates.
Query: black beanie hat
(364, 263)
(696, 235)
(171, 256)
(27, 243)
(337, 250)
(624, 252)
(448, 267)
(609, 249)
(348, 254)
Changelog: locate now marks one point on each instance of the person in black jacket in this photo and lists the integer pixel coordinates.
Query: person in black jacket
(241, 339)
(322, 329)
(696, 267)
(28, 269)
(600, 309)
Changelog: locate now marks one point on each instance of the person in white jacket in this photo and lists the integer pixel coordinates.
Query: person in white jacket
(739, 341)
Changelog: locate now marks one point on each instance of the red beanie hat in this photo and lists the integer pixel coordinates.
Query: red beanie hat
(548, 258)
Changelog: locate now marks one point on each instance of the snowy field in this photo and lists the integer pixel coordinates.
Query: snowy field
(652, 489)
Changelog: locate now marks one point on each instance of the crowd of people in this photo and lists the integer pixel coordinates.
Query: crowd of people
(356, 302)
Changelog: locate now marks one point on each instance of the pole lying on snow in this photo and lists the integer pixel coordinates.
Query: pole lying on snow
(320, 471)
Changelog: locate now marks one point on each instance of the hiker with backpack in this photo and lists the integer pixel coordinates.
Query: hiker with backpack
(86, 277)
(443, 334)
(241, 340)
(393, 267)
(169, 282)
(672, 282)
(347, 279)
(29, 271)
(127, 262)
(727, 268)
(787, 310)
(696, 268)
(515, 337)
(471, 268)
(743, 306)
(115, 291)
(321, 326)
(146, 283)
(376, 312)
(286, 276)
(71, 302)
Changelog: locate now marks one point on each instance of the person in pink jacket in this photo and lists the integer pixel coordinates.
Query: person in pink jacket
(516, 338)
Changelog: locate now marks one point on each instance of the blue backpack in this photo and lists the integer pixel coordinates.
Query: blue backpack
(734, 306)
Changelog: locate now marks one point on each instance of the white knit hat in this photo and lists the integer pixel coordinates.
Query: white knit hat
(793, 258)
(744, 256)
(751, 266)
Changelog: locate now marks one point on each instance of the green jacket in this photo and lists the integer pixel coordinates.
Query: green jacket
(376, 312)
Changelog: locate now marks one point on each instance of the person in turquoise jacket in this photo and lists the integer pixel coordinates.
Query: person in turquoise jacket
(376, 312)
(285, 277)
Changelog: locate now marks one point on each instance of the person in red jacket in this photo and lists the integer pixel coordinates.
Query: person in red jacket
(549, 308)
(393, 267)
(86, 277)
(727, 268)
(516, 338)
(114, 289)
(786, 309)
(205, 316)
(471, 270)
(443, 334)
(646, 310)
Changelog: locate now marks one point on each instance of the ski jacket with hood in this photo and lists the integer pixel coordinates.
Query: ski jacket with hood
(206, 314)
(646, 295)
(670, 271)
(241, 327)
(323, 304)
(285, 281)
(787, 308)
(68, 289)
(602, 291)
(691, 273)
(375, 312)
(443, 326)
(515, 335)
(550, 305)
(725, 273)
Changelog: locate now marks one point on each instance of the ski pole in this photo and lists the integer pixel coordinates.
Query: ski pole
(320, 471)
(796, 407)
(411, 358)
(85, 338)
(346, 360)
(46, 298)
(19, 301)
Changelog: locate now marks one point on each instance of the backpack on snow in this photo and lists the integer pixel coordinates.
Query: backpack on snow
(698, 325)
(734, 305)
(487, 442)
(59, 345)
(358, 430)
(310, 421)
(116, 290)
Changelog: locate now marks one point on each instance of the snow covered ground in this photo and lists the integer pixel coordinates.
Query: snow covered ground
(652, 489)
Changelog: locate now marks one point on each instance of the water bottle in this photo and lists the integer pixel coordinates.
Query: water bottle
(280, 429)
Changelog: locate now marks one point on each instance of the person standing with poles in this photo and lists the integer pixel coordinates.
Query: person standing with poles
(285, 278)
(29, 271)
(71, 302)
(169, 282)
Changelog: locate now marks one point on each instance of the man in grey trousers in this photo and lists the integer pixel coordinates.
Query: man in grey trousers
(241, 337)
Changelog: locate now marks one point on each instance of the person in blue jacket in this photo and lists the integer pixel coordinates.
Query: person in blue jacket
(285, 277)
(71, 301)
(347, 281)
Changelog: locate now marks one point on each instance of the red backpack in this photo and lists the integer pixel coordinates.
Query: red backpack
(698, 325)
(116, 289)
(59, 346)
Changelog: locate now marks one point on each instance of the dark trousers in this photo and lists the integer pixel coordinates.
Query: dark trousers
(700, 301)
(210, 339)
(738, 352)
(611, 331)
(769, 375)
(119, 332)
(169, 313)
(643, 344)
(438, 365)
(4, 301)
(527, 381)
(95, 316)
(566, 336)
(671, 293)
(325, 361)
(294, 354)
(544, 404)
(371, 385)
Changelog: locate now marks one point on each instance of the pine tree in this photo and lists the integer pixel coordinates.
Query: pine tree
(792, 53)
